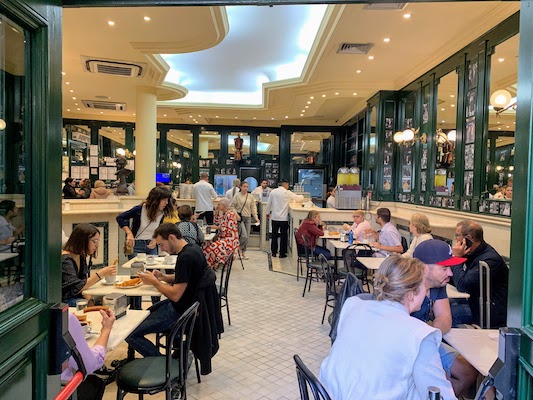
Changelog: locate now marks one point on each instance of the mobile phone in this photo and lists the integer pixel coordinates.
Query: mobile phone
(468, 242)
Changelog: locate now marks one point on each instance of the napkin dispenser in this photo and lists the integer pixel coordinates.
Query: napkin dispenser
(117, 302)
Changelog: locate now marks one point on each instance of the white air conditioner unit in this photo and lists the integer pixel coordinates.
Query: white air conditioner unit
(113, 67)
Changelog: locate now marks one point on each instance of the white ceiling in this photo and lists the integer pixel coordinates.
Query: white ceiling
(205, 34)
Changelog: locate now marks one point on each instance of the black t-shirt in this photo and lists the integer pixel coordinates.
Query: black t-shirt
(189, 268)
(425, 313)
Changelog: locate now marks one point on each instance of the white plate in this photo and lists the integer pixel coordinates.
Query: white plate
(152, 264)
(129, 287)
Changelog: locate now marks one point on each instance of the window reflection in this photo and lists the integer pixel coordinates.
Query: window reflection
(502, 119)
(12, 161)
(180, 148)
(306, 147)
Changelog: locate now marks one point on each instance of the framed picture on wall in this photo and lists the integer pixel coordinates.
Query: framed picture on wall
(388, 123)
(388, 136)
(466, 205)
(470, 136)
(469, 156)
(469, 183)
(472, 75)
(471, 103)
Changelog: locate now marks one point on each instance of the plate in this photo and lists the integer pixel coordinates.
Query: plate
(129, 287)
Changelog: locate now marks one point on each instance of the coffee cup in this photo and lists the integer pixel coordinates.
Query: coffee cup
(86, 329)
(110, 279)
(168, 260)
(81, 304)
(208, 230)
(141, 256)
(150, 259)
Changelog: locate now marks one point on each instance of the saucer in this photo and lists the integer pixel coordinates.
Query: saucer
(154, 263)
(104, 282)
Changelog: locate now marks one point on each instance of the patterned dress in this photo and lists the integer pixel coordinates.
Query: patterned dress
(228, 239)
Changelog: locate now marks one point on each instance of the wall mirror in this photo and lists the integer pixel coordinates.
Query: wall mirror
(111, 141)
(306, 147)
(445, 135)
(502, 119)
(180, 145)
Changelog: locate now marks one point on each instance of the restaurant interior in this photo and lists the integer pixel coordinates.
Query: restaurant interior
(423, 114)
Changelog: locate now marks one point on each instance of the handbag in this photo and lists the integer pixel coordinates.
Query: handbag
(127, 248)
(242, 208)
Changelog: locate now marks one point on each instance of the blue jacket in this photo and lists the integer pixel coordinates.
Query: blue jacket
(134, 215)
(466, 279)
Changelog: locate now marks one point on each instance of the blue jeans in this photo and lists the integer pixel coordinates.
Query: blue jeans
(160, 320)
(141, 246)
(320, 250)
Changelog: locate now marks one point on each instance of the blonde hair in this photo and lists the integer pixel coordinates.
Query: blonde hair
(312, 214)
(361, 213)
(397, 277)
(421, 223)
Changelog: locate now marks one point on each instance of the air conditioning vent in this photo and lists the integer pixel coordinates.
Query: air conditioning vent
(385, 6)
(113, 67)
(354, 48)
(104, 105)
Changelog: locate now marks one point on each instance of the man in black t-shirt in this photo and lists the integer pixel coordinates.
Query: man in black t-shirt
(435, 309)
(178, 288)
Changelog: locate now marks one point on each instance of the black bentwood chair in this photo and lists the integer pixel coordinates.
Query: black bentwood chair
(312, 267)
(331, 284)
(222, 288)
(301, 257)
(152, 375)
(305, 378)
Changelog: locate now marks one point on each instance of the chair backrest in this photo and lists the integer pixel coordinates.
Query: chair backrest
(329, 275)
(307, 247)
(349, 256)
(301, 252)
(182, 330)
(404, 244)
(224, 276)
(305, 378)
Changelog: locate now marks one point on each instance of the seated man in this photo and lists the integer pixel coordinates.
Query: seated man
(388, 239)
(435, 309)
(180, 289)
(470, 244)
(360, 226)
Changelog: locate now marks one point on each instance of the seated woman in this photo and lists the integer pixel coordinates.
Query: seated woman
(359, 226)
(190, 230)
(82, 243)
(93, 358)
(312, 227)
(354, 370)
(217, 252)
(8, 232)
(419, 227)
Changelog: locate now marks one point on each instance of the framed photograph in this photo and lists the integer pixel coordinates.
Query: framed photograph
(470, 136)
(505, 208)
(388, 147)
(407, 158)
(482, 205)
(388, 136)
(387, 158)
(421, 199)
(471, 103)
(465, 205)
(472, 75)
(424, 159)
(469, 183)
(386, 185)
(408, 123)
(389, 123)
(469, 156)
(423, 181)
(494, 207)
(406, 185)
(425, 113)
(406, 172)
(387, 172)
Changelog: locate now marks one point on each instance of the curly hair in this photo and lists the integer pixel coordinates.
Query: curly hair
(397, 277)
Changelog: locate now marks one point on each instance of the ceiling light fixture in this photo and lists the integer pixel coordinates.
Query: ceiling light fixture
(63, 73)
(409, 136)
(407, 15)
(67, 83)
(323, 95)
(147, 19)
(358, 71)
(386, 40)
(68, 109)
(370, 57)
(301, 115)
(501, 59)
(354, 93)
(286, 116)
(308, 102)
(336, 93)
(312, 97)
(73, 98)
(111, 23)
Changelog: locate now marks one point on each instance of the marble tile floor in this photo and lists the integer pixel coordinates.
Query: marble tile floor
(270, 323)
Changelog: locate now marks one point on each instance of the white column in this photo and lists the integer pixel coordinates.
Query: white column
(145, 140)
(203, 149)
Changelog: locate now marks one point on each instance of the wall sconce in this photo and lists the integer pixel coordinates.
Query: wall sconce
(2, 124)
(121, 151)
(176, 165)
(409, 136)
(502, 100)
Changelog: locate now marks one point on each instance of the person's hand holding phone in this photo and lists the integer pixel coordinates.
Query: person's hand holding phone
(461, 247)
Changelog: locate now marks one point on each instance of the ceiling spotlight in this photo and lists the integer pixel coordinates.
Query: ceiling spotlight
(452, 105)
(452, 96)
(67, 83)
(306, 106)
(254, 117)
(235, 117)
(336, 93)
(272, 118)
(164, 115)
(111, 23)
(286, 116)
(199, 115)
(386, 40)
(354, 93)
(75, 104)
(443, 109)
(358, 71)
(101, 112)
(63, 73)
(301, 115)
(323, 95)
(308, 102)
(78, 109)
(71, 91)
(190, 116)
(134, 114)
(68, 109)
(216, 116)
(370, 57)
(501, 59)
(73, 98)
(312, 97)
(147, 19)
(407, 15)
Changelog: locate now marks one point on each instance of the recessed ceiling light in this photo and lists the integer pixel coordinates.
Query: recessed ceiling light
(134, 114)
(216, 116)
(111, 23)
(63, 73)
(164, 115)
(190, 116)
(71, 91)
(501, 59)
(254, 117)
(303, 110)
(370, 57)
(67, 83)
(452, 105)
(101, 112)
(236, 118)
(323, 95)
(306, 106)
(452, 95)
(199, 115)
(301, 115)
(354, 93)
(272, 118)
(308, 102)
(75, 104)
(443, 121)
(507, 126)
(497, 122)
(147, 19)
(407, 15)
(336, 93)
(68, 109)
(358, 71)
(443, 109)
(499, 129)
(73, 98)
(286, 116)
(386, 40)
(78, 109)
(312, 97)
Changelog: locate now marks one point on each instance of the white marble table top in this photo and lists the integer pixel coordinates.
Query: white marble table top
(478, 346)
(371, 262)
(453, 293)
(121, 328)
(101, 289)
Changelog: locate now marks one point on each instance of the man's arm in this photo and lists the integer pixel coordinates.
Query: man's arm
(172, 292)
(466, 279)
(443, 315)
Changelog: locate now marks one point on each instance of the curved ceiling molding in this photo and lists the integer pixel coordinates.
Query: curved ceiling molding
(170, 91)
